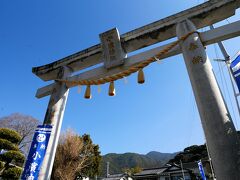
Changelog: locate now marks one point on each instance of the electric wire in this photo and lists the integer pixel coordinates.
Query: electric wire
(225, 86)
(219, 70)
(235, 55)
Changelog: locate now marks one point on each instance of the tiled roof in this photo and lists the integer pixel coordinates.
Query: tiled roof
(161, 171)
(154, 171)
(112, 178)
(115, 177)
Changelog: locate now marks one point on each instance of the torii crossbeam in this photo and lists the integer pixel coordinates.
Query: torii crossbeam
(114, 49)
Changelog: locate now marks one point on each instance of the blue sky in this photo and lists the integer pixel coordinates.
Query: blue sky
(160, 115)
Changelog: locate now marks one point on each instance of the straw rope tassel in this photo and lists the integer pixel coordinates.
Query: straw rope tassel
(125, 80)
(141, 78)
(79, 89)
(99, 89)
(88, 92)
(111, 90)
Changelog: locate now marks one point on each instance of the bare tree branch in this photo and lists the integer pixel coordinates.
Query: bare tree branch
(24, 125)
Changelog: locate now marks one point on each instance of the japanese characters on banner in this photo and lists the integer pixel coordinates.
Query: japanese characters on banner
(36, 152)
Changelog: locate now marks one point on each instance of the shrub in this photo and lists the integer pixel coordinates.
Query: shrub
(7, 145)
(1, 165)
(12, 173)
(10, 135)
(12, 158)
(8, 156)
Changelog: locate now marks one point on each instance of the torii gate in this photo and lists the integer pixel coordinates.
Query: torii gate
(219, 130)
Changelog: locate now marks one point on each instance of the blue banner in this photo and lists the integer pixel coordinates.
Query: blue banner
(201, 170)
(235, 68)
(36, 152)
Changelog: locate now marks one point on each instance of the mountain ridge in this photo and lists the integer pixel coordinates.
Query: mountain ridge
(119, 161)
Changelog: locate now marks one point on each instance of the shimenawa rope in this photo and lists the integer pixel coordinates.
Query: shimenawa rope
(129, 71)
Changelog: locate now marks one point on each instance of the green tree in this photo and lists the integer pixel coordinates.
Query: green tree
(93, 157)
(191, 154)
(76, 156)
(132, 171)
(11, 158)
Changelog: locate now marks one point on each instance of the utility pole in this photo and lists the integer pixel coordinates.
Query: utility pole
(182, 169)
(218, 127)
(107, 169)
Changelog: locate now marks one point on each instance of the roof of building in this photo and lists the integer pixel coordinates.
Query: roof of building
(168, 168)
(116, 177)
(150, 171)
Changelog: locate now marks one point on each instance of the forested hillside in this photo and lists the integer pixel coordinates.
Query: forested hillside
(118, 162)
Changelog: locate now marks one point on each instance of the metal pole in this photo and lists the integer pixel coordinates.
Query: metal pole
(54, 116)
(227, 61)
(218, 127)
(107, 169)
(182, 170)
(234, 90)
(210, 161)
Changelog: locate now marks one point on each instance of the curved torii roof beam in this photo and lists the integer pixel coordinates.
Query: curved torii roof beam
(202, 15)
(209, 37)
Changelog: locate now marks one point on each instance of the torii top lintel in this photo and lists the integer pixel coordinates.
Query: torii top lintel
(202, 15)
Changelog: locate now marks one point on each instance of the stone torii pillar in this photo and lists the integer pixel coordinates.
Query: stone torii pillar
(218, 127)
(54, 116)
